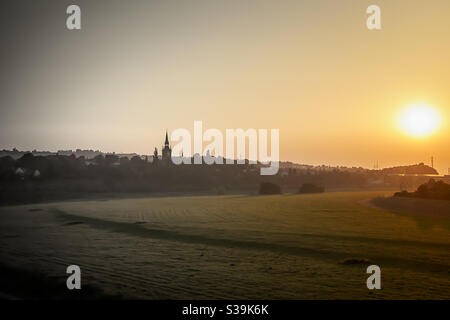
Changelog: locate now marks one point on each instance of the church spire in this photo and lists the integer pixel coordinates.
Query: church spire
(166, 143)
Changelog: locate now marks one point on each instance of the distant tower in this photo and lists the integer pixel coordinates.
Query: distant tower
(432, 162)
(166, 151)
(155, 155)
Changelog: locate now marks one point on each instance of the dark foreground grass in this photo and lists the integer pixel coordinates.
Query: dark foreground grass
(24, 284)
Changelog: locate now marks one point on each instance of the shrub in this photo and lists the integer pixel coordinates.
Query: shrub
(269, 188)
(431, 190)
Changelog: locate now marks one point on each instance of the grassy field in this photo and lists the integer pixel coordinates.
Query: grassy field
(234, 247)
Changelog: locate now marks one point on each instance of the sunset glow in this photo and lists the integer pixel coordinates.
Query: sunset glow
(335, 93)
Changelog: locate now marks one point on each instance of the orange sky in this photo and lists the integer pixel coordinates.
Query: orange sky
(308, 68)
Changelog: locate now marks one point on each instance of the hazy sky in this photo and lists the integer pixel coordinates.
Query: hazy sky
(309, 68)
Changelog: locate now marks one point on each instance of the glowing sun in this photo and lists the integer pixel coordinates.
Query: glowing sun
(419, 120)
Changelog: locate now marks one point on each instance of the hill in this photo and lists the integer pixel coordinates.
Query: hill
(411, 169)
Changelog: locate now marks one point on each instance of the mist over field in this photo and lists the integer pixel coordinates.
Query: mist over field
(233, 247)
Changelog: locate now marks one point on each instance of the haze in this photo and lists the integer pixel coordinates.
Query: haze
(309, 68)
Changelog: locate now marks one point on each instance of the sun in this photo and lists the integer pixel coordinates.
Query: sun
(419, 120)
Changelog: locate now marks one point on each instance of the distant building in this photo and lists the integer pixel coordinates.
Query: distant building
(166, 152)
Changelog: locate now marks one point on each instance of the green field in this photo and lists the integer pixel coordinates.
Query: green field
(233, 247)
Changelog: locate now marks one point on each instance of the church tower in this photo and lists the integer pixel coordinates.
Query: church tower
(166, 151)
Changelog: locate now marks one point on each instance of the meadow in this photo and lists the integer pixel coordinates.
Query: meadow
(233, 246)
